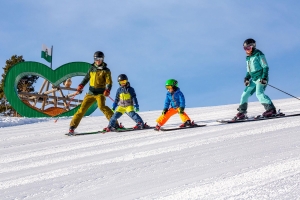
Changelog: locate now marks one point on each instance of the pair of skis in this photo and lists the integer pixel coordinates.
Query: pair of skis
(257, 118)
(180, 128)
(103, 132)
(132, 129)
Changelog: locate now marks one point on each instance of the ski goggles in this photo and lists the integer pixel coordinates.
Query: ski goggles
(98, 58)
(123, 82)
(248, 47)
(168, 87)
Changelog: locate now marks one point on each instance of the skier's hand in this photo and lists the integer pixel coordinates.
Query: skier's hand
(136, 108)
(79, 88)
(263, 81)
(180, 110)
(106, 92)
(164, 111)
(246, 82)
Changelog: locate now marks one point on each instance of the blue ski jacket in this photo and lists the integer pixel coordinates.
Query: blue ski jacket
(126, 96)
(175, 99)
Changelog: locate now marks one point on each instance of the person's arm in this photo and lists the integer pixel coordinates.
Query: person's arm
(181, 100)
(167, 105)
(247, 77)
(134, 99)
(108, 81)
(167, 102)
(86, 78)
(264, 65)
(117, 99)
(133, 96)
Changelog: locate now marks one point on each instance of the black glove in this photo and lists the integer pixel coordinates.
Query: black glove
(263, 81)
(246, 81)
(181, 110)
(164, 111)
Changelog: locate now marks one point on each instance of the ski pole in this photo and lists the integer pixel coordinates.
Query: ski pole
(282, 91)
(66, 106)
(111, 99)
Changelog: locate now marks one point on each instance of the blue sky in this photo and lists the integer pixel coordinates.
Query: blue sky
(199, 43)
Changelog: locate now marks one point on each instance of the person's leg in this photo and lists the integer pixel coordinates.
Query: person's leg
(263, 98)
(134, 116)
(164, 118)
(113, 119)
(86, 103)
(249, 91)
(184, 117)
(108, 113)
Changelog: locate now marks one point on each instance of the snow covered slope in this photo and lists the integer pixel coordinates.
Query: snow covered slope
(255, 160)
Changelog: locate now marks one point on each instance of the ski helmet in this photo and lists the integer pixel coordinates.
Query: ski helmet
(249, 42)
(172, 82)
(122, 77)
(98, 54)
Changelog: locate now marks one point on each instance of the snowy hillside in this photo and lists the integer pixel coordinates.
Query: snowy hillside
(253, 160)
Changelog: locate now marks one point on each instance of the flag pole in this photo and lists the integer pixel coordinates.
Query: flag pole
(51, 56)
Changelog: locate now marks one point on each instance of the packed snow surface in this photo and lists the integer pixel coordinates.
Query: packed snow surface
(252, 160)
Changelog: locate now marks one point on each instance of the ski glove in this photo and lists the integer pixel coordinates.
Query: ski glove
(181, 110)
(79, 88)
(246, 82)
(136, 108)
(263, 81)
(106, 92)
(114, 106)
(164, 111)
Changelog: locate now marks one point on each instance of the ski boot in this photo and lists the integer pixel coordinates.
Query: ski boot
(269, 113)
(138, 126)
(239, 116)
(188, 123)
(71, 131)
(109, 129)
(157, 127)
(146, 125)
(119, 126)
(141, 126)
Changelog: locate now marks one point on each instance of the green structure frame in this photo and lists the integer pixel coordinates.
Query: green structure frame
(55, 77)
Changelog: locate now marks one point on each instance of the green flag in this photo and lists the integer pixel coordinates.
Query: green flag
(46, 53)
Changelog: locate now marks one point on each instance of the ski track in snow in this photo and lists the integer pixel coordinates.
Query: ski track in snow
(253, 160)
(242, 186)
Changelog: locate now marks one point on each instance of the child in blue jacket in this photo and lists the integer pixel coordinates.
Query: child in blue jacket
(176, 100)
(125, 101)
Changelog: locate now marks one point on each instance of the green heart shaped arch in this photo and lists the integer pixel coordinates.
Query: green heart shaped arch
(55, 77)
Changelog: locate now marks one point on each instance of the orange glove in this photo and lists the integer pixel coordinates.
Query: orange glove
(106, 93)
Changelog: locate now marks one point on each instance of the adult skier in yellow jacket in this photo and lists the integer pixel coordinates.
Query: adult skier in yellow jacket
(100, 80)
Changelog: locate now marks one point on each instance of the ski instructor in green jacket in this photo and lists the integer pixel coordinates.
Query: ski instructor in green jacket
(256, 80)
(100, 80)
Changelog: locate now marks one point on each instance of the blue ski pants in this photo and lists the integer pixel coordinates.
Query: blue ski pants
(120, 111)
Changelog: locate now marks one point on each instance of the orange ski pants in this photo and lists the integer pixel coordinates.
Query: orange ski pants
(172, 111)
